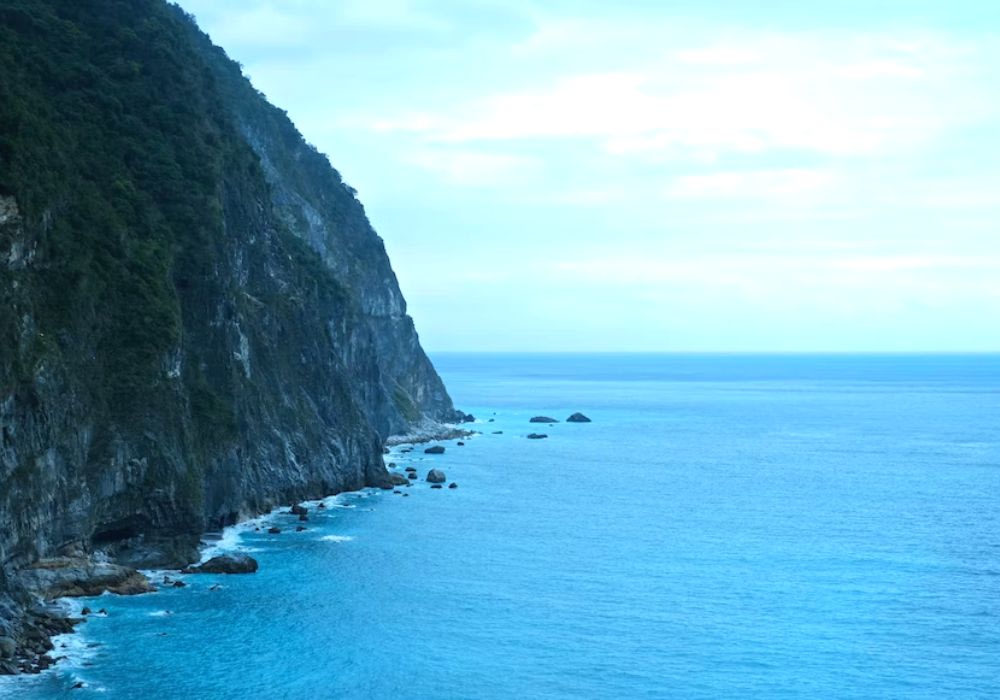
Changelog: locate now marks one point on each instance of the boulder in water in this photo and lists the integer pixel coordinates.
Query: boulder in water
(537, 436)
(453, 485)
(436, 476)
(543, 419)
(397, 479)
(298, 510)
(578, 418)
(226, 564)
(436, 450)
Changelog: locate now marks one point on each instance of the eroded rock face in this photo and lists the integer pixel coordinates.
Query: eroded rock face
(254, 349)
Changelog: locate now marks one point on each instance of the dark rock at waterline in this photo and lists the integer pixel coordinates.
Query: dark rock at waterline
(578, 418)
(298, 510)
(321, 505)
(498, 432)
(274, 530)
(391, 465)
(537, 436)
(226, 564)
(460, 443)
(411, 475)
(492, 420)
(436, 476)
(411, 469)
(7, 648)
(436, 450)
(543, 419)
(397, 479)
(179, 584)
(85, 611)
(436, 486)
(299, 528)
(453, 485)
(385, 450)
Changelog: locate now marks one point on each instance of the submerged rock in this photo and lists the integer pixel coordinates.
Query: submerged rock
(453, 485)
(460, 443)
(274, 530)
(537, 436)
(436, 486)
(578, 418)
(436, 450)
(543, 419)
(226, 564)
(436, 476)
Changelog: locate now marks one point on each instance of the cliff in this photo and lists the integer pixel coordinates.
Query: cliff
(197, 321)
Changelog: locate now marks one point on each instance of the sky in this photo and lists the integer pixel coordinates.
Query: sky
(658, 175)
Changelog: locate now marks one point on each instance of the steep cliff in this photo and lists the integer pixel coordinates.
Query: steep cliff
(197, 321)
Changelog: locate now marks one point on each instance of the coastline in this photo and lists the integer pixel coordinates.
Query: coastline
(61, 617)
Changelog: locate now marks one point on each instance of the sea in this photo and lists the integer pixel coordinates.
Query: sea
(727, 526)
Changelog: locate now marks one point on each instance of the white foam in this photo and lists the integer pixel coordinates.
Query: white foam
(336, 538)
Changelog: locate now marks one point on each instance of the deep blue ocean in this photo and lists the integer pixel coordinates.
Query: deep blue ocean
(727, 526)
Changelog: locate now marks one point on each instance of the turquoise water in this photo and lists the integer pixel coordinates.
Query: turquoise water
(728, 526)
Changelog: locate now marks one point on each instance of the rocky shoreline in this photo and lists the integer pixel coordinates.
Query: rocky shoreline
(41, 588)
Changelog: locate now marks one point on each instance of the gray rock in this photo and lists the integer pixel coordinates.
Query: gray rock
(537, 436)
(578, 418)
(226, 564)
(436, 450)
(398, 479)
(436, 476)
(453, 485)
(7, 647)
(543, 419)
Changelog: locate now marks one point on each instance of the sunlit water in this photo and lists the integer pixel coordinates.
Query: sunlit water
(816, 527)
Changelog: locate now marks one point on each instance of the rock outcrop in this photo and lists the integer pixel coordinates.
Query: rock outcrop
(543, 419)
(197, 321)
(436, 476)
(226, 564)
(578, 418)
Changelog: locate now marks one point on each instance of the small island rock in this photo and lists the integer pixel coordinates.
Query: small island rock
(537, 436)
(578, 418)
(436, 450)
(436, 476)
(543, 419)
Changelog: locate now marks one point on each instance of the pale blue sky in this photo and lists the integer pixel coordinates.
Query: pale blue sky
(651, 175)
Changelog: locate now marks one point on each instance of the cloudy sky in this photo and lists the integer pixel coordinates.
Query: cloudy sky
(688, 175)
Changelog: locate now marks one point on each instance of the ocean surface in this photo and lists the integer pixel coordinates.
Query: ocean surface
(728, 526)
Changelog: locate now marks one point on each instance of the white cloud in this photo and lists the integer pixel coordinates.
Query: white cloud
(475, 168)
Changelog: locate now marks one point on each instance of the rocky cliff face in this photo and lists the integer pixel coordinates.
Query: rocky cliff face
(197, 321)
